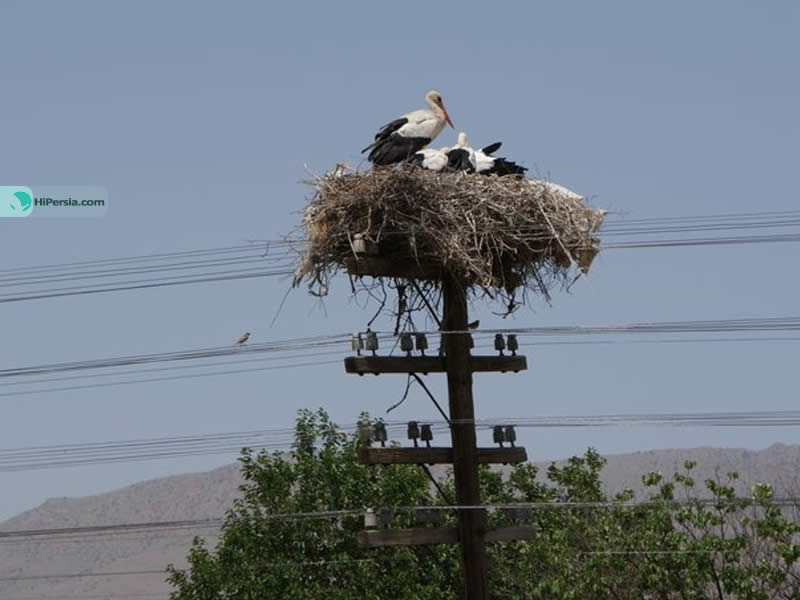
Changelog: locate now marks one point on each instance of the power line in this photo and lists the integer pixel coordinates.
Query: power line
(181, 355)
(344, 561)
(316, 363)
(203, 365)
(28, 279)
(336, 514)
(137, 258)
(753, 324)
(702, 340)
(205, 258)
(309, 350)
(612, 224)
(115, 528)
(720, 241)
(67, 388)
(148, 526)
(148, 284)
(93, 453)
(758, 324)
(161, 536)
(717, 216)
(44, 577)
(574, 342)
(110, 596)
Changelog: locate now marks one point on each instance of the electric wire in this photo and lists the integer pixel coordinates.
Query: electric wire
(759, 324)
(92, 453)
(28, 279)
(315, 363)
(180, 367)
(109, 596)
(198, 262)
(117, 529)
(181, 355)
(345, 561)
(127, 370)
(149, 284)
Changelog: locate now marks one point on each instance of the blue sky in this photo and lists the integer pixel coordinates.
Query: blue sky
(198, 119)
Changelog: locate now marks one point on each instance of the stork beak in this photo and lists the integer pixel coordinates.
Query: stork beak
(446, 116)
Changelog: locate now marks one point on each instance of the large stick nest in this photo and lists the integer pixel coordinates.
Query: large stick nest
(493, 233)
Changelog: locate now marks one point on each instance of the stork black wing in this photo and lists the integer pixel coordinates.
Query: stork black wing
(502, 167)
(395, 148)
(386, 131)
(458, 160)
(491, 148)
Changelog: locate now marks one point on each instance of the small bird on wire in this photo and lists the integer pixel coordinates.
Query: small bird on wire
(243, 339)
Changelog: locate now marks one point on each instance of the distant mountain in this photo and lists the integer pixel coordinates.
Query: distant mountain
(192, 496)
(208, 495)
(778, 465)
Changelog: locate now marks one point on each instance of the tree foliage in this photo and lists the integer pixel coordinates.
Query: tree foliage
(674, 545)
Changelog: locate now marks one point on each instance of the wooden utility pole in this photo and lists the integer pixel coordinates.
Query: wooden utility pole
(472, 533)
(472, 523)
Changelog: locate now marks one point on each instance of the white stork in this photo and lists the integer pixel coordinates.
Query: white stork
(484, 160)
(486, 164)
(461, 157)
(431, 158)
(399, 140)
(554, 188)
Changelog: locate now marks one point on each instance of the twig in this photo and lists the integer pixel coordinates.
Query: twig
(380, 308)
(427, 304)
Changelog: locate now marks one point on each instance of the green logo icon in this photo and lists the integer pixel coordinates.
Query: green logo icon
(25, 201)
(15, 201)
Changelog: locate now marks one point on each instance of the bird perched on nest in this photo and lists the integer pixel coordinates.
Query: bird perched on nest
(461, 157)
(400, 139)
(486, 164)
(431, 158)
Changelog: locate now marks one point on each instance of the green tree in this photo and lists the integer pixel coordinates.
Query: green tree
(260, 556)
(672, 545)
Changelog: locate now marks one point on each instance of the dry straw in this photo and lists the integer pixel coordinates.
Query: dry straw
(497, 234)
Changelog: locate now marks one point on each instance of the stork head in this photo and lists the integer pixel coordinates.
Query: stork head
(462, 140)
(434, 100)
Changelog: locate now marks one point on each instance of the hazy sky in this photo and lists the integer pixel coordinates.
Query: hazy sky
(198, 118)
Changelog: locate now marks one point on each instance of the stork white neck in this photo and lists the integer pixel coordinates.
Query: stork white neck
(434, 100)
